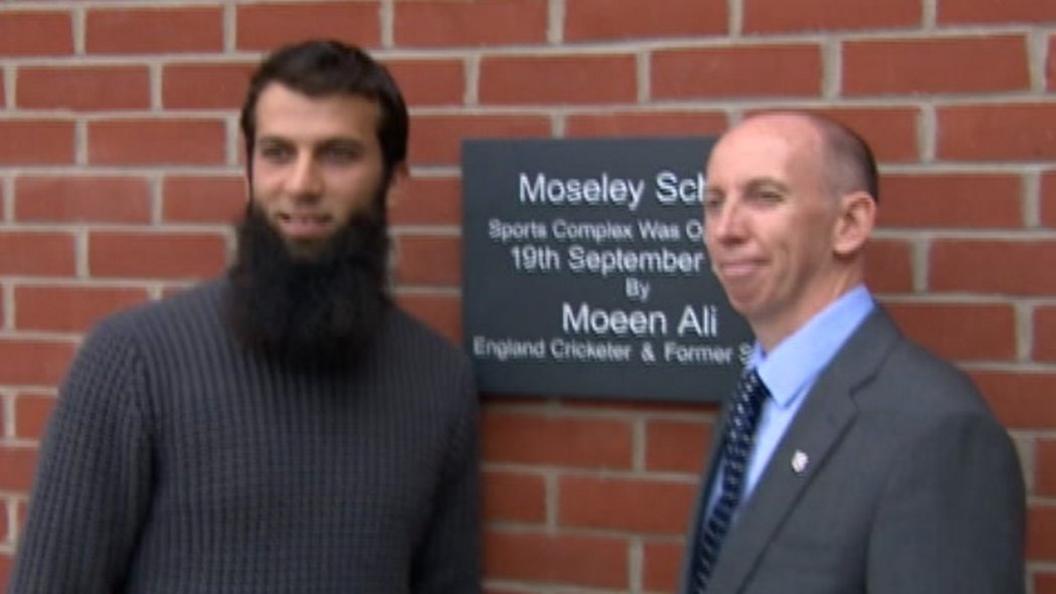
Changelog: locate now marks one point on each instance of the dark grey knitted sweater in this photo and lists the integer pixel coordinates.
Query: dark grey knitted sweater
(179, 462)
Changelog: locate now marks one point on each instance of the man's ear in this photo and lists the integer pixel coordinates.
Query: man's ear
(398, 182)
(854, 224)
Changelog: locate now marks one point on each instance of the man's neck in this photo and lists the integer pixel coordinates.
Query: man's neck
(771, 331)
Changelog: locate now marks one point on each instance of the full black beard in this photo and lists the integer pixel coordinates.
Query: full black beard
(319, 313)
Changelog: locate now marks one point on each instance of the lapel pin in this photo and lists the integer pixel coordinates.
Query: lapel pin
(800, 461)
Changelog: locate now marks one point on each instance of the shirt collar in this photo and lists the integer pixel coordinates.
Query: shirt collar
(800, 357)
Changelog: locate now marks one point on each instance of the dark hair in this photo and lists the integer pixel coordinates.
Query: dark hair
(848, 162)
(319, 68)
(853, 166)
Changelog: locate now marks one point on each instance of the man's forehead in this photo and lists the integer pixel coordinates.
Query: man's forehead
(766, 141)
(795, 130)
(285, 111)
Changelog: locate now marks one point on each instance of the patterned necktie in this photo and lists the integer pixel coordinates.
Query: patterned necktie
(738, 437)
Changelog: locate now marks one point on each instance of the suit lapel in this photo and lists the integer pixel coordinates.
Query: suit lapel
(816, 431)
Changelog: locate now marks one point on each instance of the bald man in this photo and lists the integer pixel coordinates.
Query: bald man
(849, 460)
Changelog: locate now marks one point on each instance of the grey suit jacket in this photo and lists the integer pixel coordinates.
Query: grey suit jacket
(910, 486)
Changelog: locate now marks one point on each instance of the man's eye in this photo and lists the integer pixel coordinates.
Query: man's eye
(767, 196)
(274, 152)
(340, 154)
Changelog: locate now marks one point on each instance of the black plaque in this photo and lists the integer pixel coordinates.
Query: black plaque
(585, 272)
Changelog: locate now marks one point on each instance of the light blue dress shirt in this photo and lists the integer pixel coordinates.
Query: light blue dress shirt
(789, 372)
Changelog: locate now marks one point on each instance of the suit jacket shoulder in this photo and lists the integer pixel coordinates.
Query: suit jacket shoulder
(905, 483)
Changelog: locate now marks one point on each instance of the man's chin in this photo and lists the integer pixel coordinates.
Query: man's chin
(304, 249)
(308, 302)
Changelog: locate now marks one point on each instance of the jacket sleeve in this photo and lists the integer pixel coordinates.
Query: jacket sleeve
(952, 517)
(448, 559)
(92, 486)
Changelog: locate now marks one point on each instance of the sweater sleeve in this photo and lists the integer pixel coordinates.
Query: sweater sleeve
(93, 482)
(448, 560)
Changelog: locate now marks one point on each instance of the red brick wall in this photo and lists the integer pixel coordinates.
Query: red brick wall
(119, 169)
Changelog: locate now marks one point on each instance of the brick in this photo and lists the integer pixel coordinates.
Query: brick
(648, 407)
(154, 30)
(437, 139)
(561, 441)
(1044, 583)
(514, 497)
(430, 82)
(987, 11)
(84, 88)
(7, 564)
(1048, 199)
(21, 512)
(31, 142)
(440, 312)
(580, 560)
(268, 26)
(743, 71)
(1050, 67)
(428, 260)
(1041, 533)
(646, 123)
(960, 331)
(33, 362)
(976, 201)
(7, 532)
(616, 20)
(36, 33)
(1044, 334)
(680, 446)
(907, 66)
(889, 266)
(617, 504)
(558, 79)
(661, 564)
(37, 254)
(1020, 400)
(155, 255)
(891, 133)
(203, 199)
(445, 24)
(18, 463)
(427, 201)
(156, 142)
(82, 199)
(70, 309)
(993, 266)
(32, 412)
(1045, 461)
(204, 86)
(776, 16)
(1011, 132)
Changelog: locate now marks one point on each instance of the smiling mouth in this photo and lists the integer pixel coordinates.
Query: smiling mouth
(302, 226)
(738, 269)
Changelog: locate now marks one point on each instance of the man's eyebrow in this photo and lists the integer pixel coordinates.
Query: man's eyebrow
(274, 139)
(341, 141)
(757, 183)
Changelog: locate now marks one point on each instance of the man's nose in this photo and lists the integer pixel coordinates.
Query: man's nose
(725, 223)
(305, 178)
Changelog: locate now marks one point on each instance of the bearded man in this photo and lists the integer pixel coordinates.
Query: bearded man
(284, 428)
